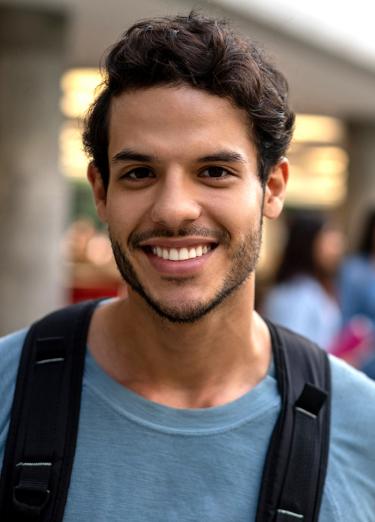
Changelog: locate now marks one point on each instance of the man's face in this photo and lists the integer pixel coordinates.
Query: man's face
(184, 202)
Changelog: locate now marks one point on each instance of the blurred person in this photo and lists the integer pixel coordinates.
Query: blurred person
(357, 276)
(357, 299)
(305, 296)
(91, 265)
(189, 398)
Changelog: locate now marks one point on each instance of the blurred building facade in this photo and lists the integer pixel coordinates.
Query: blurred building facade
(44, 41)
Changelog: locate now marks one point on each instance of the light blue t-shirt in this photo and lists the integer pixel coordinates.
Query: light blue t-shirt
(139, 461)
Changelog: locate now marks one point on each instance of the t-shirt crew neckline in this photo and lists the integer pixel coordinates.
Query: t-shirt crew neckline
(200, 421)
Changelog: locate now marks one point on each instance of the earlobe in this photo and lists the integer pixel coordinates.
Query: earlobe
(274, 193)
(99, 192)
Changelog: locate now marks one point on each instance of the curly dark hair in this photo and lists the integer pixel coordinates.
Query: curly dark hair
(207, 54)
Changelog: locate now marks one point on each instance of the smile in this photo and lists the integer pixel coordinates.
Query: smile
(181, 254)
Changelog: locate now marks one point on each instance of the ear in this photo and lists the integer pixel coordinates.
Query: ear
(99, 191)
(274, 193)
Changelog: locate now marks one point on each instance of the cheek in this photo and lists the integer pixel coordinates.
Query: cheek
(125, 212)
(238, 213)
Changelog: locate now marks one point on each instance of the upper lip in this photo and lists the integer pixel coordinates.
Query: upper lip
(183, 242)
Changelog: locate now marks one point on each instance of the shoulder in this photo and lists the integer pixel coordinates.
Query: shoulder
(351, 468)
(10, 352)
(353, 398)
(350, 482)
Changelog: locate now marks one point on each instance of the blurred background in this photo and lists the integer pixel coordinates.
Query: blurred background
(53, 249)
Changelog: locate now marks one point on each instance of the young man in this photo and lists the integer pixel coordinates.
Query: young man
(179, 396)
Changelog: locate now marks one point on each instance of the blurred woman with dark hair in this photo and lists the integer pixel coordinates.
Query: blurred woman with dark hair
(304, 298)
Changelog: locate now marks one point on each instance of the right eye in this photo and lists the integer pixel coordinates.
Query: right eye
(138, 174)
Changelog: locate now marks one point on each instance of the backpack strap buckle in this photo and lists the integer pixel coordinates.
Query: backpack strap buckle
(311, 400)
(31, 494)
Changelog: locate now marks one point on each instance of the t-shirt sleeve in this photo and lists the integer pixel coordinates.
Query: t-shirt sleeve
(352, 451)
(10, 351)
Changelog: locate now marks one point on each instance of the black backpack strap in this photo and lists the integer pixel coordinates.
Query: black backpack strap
(295, 467)
(43, 428)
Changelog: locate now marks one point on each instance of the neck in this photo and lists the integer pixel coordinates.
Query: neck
(207, 363)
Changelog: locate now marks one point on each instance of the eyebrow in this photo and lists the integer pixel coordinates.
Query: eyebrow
(131, 155)
(221, 156)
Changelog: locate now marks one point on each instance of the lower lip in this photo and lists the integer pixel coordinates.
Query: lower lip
(178, 268)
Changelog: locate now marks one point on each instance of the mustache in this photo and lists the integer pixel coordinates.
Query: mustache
(220, 236)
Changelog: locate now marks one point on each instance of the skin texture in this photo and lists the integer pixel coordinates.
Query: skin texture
(183, 173)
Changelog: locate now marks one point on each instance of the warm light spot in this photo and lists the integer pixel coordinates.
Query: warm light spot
(79, 86)
(73, 160)
(318, 162)
(326, 160)
(318, 129)
(315, 190)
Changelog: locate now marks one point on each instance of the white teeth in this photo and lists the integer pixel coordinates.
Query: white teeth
(183, 254)
(173, 254)
(180, 254)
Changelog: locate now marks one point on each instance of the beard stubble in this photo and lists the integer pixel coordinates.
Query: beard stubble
(244, 259)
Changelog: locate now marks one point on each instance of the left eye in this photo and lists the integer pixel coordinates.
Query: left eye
(214, 172)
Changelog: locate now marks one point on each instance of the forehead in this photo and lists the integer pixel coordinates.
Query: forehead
(179, 118)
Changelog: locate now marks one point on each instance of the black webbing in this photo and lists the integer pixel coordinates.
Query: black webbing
(44, 420)
(296, 462)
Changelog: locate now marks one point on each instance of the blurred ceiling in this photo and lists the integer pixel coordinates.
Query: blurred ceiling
(328, 72)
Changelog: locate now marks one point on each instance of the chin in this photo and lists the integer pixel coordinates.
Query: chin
(185, 315)
(193, 309)
(181, 309)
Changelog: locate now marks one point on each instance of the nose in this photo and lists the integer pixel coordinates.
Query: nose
(175, 203)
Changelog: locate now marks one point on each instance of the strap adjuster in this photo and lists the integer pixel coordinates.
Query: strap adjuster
(30, 499)
(31, 493)
(311, 400)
